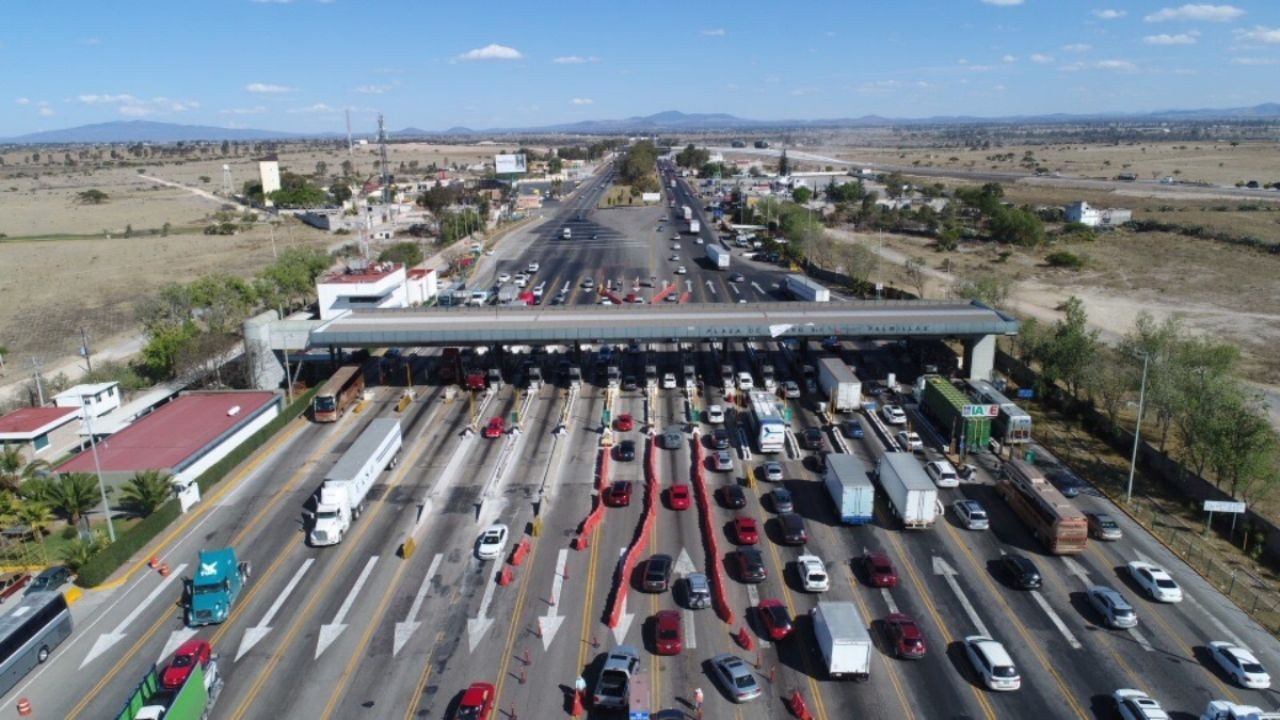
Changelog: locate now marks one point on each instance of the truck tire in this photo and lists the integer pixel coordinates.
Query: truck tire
(43, 654)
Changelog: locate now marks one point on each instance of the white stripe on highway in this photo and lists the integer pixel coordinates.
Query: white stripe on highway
(624, 618)
(106, 640)
(948, 573)
(690, 634)
(1057, 621)
(753, 595)
(478, 625)
(1142, 639)
(405, 629)
(254, 635)
(549, 624)
(888, 600)
(330, 632)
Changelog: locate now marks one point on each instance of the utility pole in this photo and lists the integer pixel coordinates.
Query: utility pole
(84, 350)
(35, 368)
(1137, 428)
(102, 486)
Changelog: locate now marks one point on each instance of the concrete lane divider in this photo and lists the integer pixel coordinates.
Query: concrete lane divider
(718, 597)
(641, 541)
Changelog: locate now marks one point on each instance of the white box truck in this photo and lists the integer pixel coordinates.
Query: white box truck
(807, 290)
(695, 227)
(567, 234)
(843, 639)
(840, 386)
(341, 497)
(718, 256)
(911, 493)
(850, 488)
(687, 212)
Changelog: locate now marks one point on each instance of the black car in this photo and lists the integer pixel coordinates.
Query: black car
(629, 383)
(720, 439)
(1069, 485)
(1021, 571)
(792, 527)
(627, 450)
(657, 573)
(732, 497)
(751, 566)
(49, 579)
(811, 439)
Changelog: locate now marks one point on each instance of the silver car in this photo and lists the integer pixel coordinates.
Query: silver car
(1116, 612)
(737, 678)
(697, 591)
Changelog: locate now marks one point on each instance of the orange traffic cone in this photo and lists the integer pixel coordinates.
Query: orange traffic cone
(24, 707)
(577, 703)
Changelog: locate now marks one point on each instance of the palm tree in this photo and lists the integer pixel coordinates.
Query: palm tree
(71, 495)
(78, 552)
(146, 491)
(36, 515)
(10, 464)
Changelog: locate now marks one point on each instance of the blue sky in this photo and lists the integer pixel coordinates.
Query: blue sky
(297, 64)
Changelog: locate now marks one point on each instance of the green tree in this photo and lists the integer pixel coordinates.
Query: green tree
(165, 343)
(784, 165)
(1017, 226)
(1108, 381)
(1160, 342)
(916, 274)
(71, 495)
(92, 196)
(322, 168)
(407, 253)
(986, 287)
(555, 166)
(146, 491)
(341, 192)
(36, 515)
(894, 184)
(78, 553)
(801, 195)
(1244, 449)
(1071, 348)
(692, 157)
(437, 198)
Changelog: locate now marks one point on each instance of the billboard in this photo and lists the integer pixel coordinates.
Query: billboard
(509, 164)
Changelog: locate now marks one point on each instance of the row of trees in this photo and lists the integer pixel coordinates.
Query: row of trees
(638, 167)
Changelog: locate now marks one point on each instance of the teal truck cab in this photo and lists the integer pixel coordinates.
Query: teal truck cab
(216, 585)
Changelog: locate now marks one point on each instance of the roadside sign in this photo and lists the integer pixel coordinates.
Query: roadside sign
(1224, 506)
(1026, 393)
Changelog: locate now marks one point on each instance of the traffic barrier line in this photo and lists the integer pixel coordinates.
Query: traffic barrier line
(718, 597)
(648, 518)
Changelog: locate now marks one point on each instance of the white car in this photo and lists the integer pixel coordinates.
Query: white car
(971, 514)
(668, 381)
(521, 280)
(675, 246)
(533, 267)
(491, 542)
(1137, 705)
(745, 382)
(813, 573)
(893, 415)
(675, 257)
(1155, 581)
(908, 440)
(699, 241)
(1240, 664)
(790, 390)
(680, 270)
(992, 663)
(943, 473)
(715, 414)
(504, 277)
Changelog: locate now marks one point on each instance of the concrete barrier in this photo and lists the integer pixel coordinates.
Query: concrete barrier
(719, 598)
(622, 583)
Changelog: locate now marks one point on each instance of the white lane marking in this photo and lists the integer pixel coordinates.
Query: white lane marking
(254, 635)
(1056, 620)
(1077, 569)
(690, 634)
(550, 623)
(940, 567)
(624, 618)
(888, 600)
(1142, 639)
(106, 640)
(405, 629)
(480, 624)
(330, 632)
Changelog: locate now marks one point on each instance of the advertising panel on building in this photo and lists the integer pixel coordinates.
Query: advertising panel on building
(509, 164)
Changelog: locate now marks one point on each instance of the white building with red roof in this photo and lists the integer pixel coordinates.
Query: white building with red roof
(40, 432)
(380, 285)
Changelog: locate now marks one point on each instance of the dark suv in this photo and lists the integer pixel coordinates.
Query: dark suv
(792, 528)
(1021, 571)
(657, 573)
(811, 439)
(751, 566)
(627, 450)
(720, 439)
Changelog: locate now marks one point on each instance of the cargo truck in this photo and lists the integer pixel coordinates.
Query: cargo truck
(341, 498)
(718, 256)
(843, 639)
(802, 288)
(507, 294)
(688, 212)
(209, 595)
(839, 385)
(850, 488)
(193, 700)
(954, 414)
(912, 495)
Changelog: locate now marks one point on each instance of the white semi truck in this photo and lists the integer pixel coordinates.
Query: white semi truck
(839, 385)
(341, 497)
(843, 639)
(911, 493)
(718, 256)
(807, 290)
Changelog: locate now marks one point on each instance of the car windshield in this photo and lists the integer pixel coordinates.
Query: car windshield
(613, 681)
(668, 633)
(468, 712)
(183, 660)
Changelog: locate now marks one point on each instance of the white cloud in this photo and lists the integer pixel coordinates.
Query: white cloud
(105, 99)
(492, 51)
(1041, 58)
(1077, 47)
(136, 110)
(1116, 65)
(316, 109)
(1259, 34)
(1109, 14)
(23, 101)
(801, 91)
(243, 111)
(1187, 38)
(1202, 11)
(372, 89)
(879, 86)
(574, 60)
(1009, 59)
(268, 88)
(714, 32)
(1253, 61)
(1002, 3)
(581, 101)
(47, 112)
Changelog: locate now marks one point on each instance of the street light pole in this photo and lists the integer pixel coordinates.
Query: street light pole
(102, 486)
(1137, 428)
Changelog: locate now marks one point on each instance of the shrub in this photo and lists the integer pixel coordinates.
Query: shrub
(1065, 259)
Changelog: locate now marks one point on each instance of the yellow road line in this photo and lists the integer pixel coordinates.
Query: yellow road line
(516, 623)
(412, 712)
(888, 663)
(340, 687)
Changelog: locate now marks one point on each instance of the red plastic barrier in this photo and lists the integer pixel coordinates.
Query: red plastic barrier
(684, 297)
(593, 518)
(662, 294)
(613, 297)
(521, 552)
(622, 584)
(718, 597)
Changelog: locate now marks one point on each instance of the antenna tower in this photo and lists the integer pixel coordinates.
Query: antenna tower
(350, 149)
(382, 156)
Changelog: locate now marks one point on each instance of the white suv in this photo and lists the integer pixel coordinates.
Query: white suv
(992, 663)
(813, 574)
(943, 473)
(715, 414)
(1137, 705)
(893, 415)
(1155, 582)
(971, 515)
(745, 382)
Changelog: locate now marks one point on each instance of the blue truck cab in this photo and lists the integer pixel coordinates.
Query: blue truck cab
(217, 583)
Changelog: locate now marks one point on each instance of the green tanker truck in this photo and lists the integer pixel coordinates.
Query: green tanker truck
(965, 423)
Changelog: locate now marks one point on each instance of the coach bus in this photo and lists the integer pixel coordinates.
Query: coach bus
(29, 633)
(338, 394)
(766, 422)
(1013, 425)
(1053, 520)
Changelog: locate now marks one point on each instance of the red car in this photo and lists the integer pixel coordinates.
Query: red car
(625, 423)
(668, 633)
(12, 582)
(476, 702)
(679, 496)
(905, 637)
(745, 531)
(618, 494)
(776, 619)
(879, 570)
(495, 428)
(189, 654)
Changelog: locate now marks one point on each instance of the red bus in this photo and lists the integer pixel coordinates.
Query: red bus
(1054, 521)
(338, 394)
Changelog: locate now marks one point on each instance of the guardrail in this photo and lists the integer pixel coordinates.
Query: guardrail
(718, 597)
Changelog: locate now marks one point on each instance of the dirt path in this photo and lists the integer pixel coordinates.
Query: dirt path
(205, 194)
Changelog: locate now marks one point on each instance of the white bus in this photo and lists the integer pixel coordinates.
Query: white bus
(766, 422)
(29, 633)
(1013, 425)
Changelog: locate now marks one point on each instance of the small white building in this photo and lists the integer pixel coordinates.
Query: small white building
(269, 175)
(98, 398)
(380, 285)
(424, 284)
(1083, 213)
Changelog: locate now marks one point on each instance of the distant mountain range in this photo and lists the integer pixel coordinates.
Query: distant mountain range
(668, 121)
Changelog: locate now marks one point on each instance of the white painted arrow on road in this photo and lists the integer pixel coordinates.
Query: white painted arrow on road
(330, 632)
(756, 285)
(684, 564)
(688, 285)
(254, 635)
(106, 640)
(940, 567)
(549, 624)
(624, 618)
(711, 288)
(734, 288)
(480, 624)
(411, 624)
(1077, 569)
